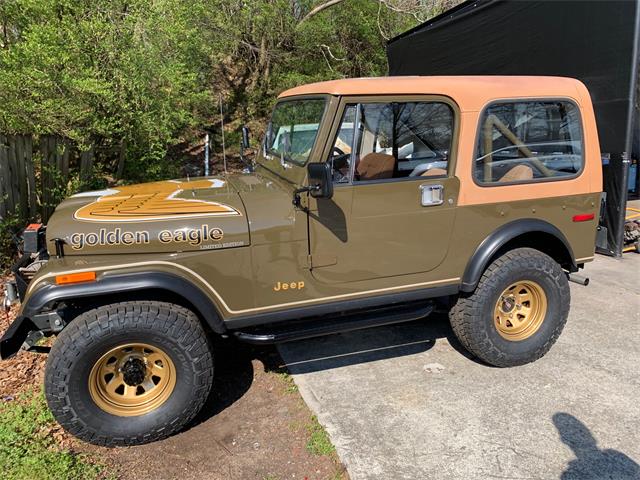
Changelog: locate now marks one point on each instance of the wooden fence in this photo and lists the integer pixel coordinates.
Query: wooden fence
(34, 173)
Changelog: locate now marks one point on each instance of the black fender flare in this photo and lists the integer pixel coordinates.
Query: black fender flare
(126, 283)
(498, 238)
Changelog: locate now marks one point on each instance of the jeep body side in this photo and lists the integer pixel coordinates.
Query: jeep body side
(450, 201)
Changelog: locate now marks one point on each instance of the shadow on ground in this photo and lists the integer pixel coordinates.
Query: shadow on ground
(370, 345)
(591, 463)
(234, 374)
(234, 369)
(251, 426)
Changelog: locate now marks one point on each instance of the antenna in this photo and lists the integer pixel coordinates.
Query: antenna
(206, 155)
(224, 153)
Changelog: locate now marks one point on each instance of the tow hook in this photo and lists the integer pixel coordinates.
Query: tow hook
(584, 281)
(10, 295)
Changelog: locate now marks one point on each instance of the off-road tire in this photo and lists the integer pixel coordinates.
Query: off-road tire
(174, 329)
(472, 315)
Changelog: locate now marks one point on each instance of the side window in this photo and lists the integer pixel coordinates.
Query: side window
(528, 141)
(340, 156)
(398, 140)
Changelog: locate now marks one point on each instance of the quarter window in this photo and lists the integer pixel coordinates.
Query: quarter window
(529, 141)
(393, 140)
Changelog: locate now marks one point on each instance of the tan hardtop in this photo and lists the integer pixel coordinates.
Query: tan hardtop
(470, 92)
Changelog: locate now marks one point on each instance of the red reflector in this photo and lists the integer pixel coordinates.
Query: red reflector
(585, 217)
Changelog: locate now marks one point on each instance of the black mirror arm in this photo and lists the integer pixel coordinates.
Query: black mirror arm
(243, 158)
(298, 191)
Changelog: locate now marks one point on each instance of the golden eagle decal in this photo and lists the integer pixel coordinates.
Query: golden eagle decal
(153, 201)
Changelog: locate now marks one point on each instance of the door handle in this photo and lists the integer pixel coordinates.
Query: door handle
(431, 195)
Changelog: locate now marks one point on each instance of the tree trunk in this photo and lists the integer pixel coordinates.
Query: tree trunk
(121, 159)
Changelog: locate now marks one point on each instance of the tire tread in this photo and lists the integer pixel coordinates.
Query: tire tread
(92, 325)
(465, 314)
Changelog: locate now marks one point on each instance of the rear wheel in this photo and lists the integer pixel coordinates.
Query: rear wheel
(517, 311)
(129, 373)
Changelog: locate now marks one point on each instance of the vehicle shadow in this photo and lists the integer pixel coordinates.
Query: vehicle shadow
(591, 463)
(369, 345)
(233, 376)
(234, 370)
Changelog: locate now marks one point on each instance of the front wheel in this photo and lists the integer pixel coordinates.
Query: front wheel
(516, 312)
(129, 373)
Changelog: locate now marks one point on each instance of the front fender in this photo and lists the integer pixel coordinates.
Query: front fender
(48, 295)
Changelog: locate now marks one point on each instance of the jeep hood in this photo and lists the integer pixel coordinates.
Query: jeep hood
(168, 216)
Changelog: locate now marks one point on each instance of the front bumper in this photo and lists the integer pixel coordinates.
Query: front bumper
(15, 336)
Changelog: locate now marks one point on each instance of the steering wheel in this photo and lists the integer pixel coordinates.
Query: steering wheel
(339, 159)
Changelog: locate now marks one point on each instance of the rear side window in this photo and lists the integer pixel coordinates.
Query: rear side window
(529, 141)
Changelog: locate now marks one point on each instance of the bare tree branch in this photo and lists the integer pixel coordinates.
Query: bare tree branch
(331, 53)
(318, 9)
(382, 34)
(421, 10)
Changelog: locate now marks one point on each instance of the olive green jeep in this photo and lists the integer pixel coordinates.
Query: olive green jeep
(371, 201)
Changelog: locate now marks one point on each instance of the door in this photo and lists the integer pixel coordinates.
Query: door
(394, 200)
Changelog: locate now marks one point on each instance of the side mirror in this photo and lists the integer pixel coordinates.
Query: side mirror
(245, 137)
(320, 181)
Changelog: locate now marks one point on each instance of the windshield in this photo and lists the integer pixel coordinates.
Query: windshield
(293, 130)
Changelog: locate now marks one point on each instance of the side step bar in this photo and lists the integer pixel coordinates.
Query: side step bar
(321, 326)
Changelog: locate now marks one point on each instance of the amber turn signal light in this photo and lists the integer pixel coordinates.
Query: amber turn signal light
(76, 278)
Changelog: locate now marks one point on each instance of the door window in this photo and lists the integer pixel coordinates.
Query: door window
(399, 140)
(341, 153)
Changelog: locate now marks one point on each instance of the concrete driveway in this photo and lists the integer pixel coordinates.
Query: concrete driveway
(405, 402)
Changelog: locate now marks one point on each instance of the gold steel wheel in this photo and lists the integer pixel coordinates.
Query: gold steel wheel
(520, 310)
(132, 379)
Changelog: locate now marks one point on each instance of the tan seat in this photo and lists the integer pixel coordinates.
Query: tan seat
(374, 166)
(517, 173)
(434, 172)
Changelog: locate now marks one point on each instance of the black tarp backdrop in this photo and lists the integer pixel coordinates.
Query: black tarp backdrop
(594, 41)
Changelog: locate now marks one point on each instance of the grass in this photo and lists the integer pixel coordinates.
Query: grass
(319, 443)
(289, 385)
(28, 451)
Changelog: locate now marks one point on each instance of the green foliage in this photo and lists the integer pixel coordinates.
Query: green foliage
(149, 73)
(9, 228)
(289, 384)
(27, 451)
(319, 442)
